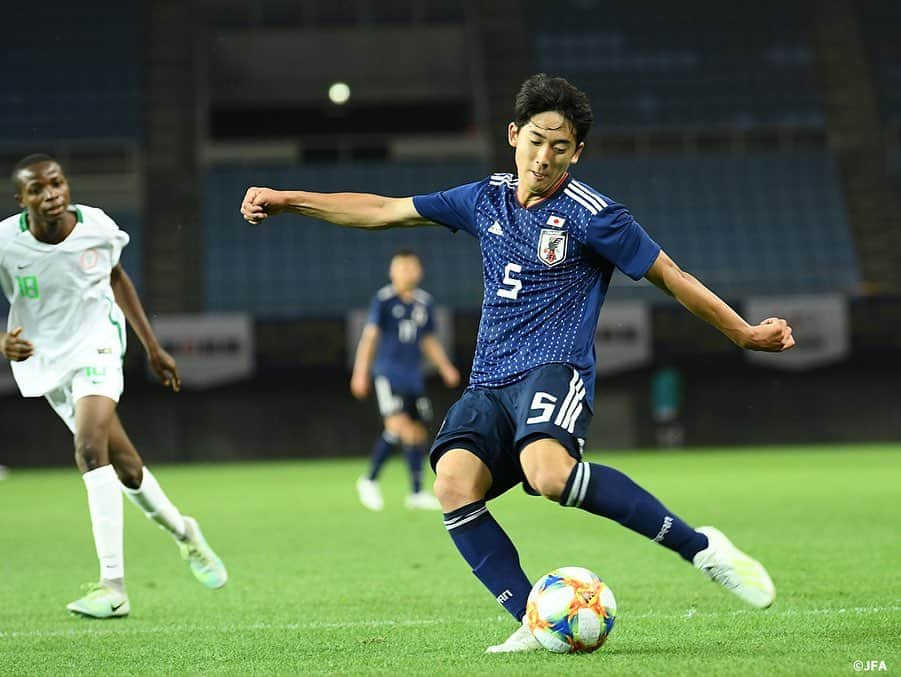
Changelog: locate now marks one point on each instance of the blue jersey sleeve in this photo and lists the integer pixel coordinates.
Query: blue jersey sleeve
(375, 312)
(620, 239)
(454, 208)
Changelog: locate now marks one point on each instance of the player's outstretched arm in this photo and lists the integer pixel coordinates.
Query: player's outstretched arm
(436, 355)
(359, 380)
(772, 335)
(162, 363)
(357, 210)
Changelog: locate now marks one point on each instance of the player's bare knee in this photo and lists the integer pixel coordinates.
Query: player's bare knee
(419, 434)
(394, 425)
(444, 489)
(413, 437)
(547, 466)
(407, 438)
(454, 492)
(79, 463)
(90, 452)
(549, 482)
(407, 431)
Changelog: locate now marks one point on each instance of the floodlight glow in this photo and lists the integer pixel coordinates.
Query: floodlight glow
(339, 93)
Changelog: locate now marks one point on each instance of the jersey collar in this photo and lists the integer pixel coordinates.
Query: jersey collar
(551, 194)
(23, 217)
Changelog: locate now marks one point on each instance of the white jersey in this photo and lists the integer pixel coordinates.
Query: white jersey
(61, 295)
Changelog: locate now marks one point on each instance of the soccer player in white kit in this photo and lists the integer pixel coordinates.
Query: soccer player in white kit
(69, 299)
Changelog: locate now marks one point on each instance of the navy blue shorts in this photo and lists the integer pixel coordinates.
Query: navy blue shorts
(416, 405)
(496, 423)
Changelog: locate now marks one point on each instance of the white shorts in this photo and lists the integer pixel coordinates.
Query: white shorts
(106, 381)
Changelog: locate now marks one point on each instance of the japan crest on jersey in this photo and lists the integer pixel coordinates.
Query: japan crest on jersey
(552, 246)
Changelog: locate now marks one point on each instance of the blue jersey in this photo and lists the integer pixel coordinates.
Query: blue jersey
(546, 271)
(402, 326)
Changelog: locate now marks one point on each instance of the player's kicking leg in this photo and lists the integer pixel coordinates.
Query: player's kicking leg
(144, 491)
(604, 491)
(466, 473)
(554, 473)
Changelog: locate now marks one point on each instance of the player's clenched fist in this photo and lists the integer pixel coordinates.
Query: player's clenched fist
(14, 347)
(259, 203)
(773, 335)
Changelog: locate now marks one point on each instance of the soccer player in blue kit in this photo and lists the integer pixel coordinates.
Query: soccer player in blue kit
(399, 329)
(549, 245)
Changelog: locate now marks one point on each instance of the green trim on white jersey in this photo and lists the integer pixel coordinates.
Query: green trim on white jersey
(117, 325)
(23, 217)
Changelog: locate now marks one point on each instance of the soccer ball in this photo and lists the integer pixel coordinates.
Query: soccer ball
(571, 610)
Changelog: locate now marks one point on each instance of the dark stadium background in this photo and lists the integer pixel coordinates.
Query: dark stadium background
(758, 142)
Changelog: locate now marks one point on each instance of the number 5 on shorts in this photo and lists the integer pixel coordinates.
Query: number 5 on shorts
(544, 403)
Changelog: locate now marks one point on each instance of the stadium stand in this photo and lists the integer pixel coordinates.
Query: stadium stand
(702, 63)
(87, 86)
(879, 24)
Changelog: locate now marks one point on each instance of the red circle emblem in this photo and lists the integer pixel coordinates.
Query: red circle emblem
(89, 259)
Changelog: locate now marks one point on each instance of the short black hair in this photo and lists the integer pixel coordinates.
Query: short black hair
(542, 93)
(26, 162)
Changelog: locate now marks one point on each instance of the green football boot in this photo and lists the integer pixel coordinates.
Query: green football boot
(205, 564)
(100, 602)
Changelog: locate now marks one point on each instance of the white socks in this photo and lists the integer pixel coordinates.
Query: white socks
(105, 506)
(150, 498)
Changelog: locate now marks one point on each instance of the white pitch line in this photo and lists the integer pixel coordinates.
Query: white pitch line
(123, 627)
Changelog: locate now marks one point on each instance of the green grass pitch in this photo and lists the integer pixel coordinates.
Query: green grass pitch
(321, 586)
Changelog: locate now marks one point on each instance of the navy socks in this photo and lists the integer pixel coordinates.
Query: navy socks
(415, 455)
(381, 452)
(604, 491)
(491, 554)
(596, 488)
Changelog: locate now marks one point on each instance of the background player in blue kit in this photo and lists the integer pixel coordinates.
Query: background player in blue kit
(549, 248)
(400, 327)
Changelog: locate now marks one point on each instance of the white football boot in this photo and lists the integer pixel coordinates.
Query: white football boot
(734, 570)
(422, 500)
(370, 494)
(521, 640)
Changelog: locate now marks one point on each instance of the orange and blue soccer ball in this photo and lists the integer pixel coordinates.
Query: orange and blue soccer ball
(571, 610)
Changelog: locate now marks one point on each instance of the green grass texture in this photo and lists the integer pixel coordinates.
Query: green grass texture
(320, 586)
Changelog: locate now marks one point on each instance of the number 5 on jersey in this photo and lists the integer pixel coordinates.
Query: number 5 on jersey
(511, 292)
